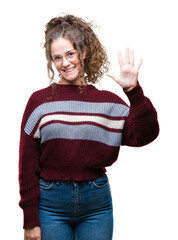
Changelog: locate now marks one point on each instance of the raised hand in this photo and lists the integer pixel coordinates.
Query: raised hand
(128, 72)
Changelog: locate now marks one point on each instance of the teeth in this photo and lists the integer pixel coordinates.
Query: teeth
(69, 70)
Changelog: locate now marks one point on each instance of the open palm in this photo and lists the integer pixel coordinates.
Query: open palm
(128, 72)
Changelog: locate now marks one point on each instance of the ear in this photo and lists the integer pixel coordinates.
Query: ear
(84, 52)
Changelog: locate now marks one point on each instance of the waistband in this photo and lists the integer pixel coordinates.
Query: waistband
(71, 173)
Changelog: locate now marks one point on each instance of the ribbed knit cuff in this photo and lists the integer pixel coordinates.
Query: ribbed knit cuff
(31, 217)
(135, 96)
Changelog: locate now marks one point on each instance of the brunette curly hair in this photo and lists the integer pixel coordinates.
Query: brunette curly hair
(81, 35)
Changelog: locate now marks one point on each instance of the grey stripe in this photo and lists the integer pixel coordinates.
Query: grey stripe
(110, 109)
(85, 132)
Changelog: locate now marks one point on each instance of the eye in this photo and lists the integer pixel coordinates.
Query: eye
(70, 54)
(57, 58)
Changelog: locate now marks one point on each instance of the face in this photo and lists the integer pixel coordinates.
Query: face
(66, 61)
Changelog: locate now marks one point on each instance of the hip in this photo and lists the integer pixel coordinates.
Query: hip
(75, 198)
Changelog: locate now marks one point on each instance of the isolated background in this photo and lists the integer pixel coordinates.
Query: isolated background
(143, 180)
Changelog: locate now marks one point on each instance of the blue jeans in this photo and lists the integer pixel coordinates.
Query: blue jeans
(76, 210)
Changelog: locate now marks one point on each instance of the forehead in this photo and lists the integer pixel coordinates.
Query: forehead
(60, 46)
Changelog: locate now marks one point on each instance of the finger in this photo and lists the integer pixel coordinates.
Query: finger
(127, 56)
(139, 64)
(132, 57)
(121, 62)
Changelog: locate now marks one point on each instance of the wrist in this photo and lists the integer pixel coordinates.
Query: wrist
(136, 96)
(128, 89)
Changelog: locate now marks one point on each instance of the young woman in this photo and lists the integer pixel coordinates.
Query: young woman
(71, 131)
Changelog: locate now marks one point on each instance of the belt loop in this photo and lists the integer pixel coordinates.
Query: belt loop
(75, 185)
(90, 182)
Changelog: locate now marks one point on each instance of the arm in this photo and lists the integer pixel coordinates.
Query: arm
(141, 126)
(29, 172)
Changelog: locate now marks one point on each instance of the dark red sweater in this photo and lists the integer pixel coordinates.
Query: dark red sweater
(68, 135)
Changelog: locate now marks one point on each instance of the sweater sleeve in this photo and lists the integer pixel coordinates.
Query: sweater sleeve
(29, 152)
(141, 126)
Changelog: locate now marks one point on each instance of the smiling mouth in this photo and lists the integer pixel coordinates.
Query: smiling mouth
(69, 70)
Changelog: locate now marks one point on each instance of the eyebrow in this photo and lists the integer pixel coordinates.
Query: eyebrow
(64, 53)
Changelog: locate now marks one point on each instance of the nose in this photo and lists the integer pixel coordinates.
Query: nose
(65, 62)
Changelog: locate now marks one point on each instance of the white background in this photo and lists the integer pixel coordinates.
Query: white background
(143, 180)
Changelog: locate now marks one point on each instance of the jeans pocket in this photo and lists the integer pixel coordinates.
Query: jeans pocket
(101, 182)
(45, 184)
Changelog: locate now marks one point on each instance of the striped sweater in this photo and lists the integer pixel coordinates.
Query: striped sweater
(68, 135)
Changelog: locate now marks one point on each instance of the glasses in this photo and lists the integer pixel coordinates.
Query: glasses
(71, 56)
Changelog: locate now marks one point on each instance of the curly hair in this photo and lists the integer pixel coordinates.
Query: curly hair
(81, 35)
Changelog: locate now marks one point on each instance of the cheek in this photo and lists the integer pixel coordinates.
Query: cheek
(78, 65)
(59, 69)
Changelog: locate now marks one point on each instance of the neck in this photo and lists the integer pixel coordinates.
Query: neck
(80, 81)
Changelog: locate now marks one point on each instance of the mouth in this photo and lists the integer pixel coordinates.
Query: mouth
(68, 70)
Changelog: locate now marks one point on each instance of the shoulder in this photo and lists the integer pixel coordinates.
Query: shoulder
(37, 98)
(41, 92)
(109, 96)
(40, 96)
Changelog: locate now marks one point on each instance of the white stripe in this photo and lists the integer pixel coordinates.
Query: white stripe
(115, 124)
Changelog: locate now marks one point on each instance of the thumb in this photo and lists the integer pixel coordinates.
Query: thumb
(111, 75)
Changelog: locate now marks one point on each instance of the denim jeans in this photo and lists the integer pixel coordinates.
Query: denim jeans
(76, 210)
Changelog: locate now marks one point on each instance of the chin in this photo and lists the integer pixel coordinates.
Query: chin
(72, 80)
